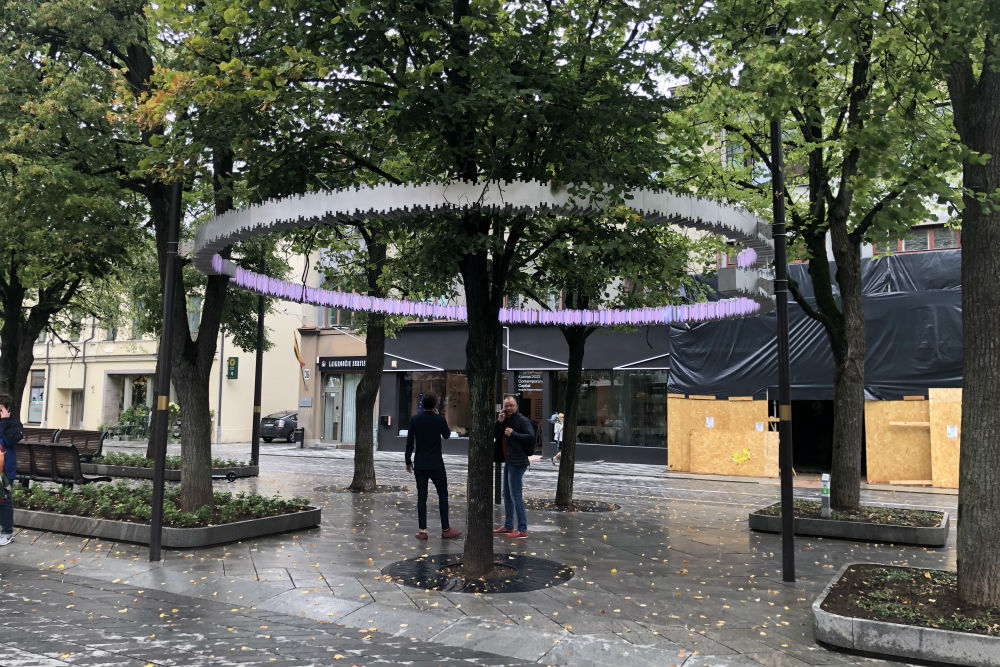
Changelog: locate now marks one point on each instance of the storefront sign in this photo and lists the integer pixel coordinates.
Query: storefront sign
(529, 381)
(341, 363)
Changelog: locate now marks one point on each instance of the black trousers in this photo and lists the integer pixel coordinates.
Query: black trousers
(440, 480)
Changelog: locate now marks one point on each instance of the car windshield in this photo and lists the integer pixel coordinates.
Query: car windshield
(279, 415)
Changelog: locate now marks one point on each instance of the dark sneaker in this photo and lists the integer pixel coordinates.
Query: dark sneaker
(517, 534)
(451, 532)
(503, 531)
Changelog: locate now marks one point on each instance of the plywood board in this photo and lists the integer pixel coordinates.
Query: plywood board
(896, 451)
(734, 452)
(946, 435)
(696, 415)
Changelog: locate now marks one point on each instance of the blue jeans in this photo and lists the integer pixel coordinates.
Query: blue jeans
(6, 513)
(513, 500)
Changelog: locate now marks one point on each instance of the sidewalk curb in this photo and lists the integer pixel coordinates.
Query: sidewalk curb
(892, 640)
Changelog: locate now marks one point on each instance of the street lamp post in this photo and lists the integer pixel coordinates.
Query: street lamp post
(784, 374)
(258, 372)
(163, 379)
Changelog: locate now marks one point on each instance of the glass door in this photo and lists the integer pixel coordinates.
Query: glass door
(333, 404)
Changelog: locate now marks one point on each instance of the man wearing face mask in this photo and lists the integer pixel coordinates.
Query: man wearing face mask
(514, 443)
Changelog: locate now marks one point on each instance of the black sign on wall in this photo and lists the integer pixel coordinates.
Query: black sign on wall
(341, 363)
(529, 381)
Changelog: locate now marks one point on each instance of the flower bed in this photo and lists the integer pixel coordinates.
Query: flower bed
(123, 502)
(122, 512)
(870, 524)
(906, 612)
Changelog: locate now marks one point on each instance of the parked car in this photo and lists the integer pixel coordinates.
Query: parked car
(279, 425)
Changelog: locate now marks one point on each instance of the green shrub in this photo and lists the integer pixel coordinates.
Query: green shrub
(125, 502)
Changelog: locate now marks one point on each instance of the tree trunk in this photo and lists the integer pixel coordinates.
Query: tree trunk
(576, 341)
(977, 118)
(192, 383)
(18, 333)
(192, 360)
(481, 370)
(364, 443)
(979, 464)
(848, 377)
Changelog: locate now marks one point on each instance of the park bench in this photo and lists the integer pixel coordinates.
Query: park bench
(43, 435)
(88, 443)
(23, 456)
(53, 462)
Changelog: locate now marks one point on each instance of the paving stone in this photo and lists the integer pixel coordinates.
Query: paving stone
(691, 584)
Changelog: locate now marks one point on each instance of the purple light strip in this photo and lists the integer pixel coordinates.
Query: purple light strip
(695, 312)
(746, 258)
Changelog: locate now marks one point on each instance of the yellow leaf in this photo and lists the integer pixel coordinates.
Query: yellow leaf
(927, 574)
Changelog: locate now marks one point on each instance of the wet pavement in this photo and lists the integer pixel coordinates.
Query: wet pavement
(673, 577)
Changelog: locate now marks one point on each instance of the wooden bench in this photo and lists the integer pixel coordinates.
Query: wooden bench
(43, 435)
(59, 463)
(88, 443)
(23, 456)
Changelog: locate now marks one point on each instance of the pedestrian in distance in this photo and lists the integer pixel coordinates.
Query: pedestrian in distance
(423, 444)
(557, 435)
(514, 442)
(11, 432)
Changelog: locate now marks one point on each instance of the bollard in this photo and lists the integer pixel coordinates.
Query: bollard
(824, 496)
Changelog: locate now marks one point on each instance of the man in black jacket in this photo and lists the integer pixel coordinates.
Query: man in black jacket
(425, 433)
(515, 442)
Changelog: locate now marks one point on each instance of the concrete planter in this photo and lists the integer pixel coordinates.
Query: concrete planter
(931, 536)
(168, 475)
(901, 641)
(175, 538)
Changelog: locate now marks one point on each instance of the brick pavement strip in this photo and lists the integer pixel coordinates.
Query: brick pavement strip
(52, 619)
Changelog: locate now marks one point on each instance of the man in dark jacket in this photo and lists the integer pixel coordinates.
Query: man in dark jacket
(11, 433)
(425, 433)
(515, 442)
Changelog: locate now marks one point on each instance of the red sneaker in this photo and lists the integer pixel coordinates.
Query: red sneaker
(503, 531)
(451, 532)
(420, 534)
(517, 534)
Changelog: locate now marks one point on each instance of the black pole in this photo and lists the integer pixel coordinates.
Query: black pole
(163, 379)
(784, 374)
(258, 373)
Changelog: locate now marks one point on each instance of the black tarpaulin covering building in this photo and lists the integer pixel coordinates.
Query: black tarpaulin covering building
(913, 328)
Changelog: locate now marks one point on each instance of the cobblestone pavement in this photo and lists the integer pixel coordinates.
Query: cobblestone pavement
(672, 578)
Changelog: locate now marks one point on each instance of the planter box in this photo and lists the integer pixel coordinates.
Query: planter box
(168, 475)
(175, 538)
(931, 536)
(901, 641)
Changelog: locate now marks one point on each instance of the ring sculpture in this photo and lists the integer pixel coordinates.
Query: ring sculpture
(747, 284)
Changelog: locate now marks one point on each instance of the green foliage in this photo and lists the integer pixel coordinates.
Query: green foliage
(68, 220)
(866, 134)
(172, 462)
(137, 413)
(123, 502)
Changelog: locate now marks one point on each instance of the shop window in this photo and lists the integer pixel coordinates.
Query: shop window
(452, 389)
(620, 407)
